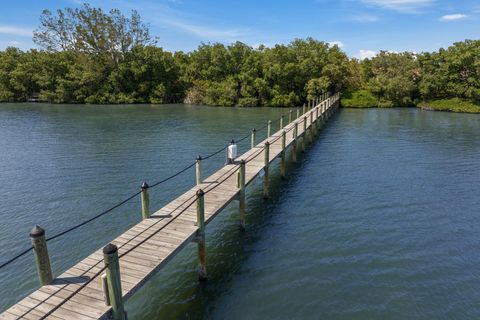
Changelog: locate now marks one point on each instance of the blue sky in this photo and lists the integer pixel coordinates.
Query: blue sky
(360, 27)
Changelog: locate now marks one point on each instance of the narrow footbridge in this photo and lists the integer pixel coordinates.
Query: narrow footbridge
(98, 286)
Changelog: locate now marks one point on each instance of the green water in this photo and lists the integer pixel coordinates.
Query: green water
(379, 219)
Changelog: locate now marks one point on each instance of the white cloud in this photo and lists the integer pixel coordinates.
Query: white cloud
(338, 43)
(400, 5)
(451, 17)
(366, 54)
(16, 31)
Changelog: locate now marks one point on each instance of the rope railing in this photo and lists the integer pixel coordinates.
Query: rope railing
(129, 198)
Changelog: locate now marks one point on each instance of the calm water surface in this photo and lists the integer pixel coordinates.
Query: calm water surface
(378, 220)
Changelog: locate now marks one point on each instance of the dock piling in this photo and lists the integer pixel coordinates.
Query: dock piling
(202, 269)
(145, 201)
(198, 170)
(265, 176)
(269, 128)
(42, 259)
(110, 258)
(254, 137)
(242, 193)
(294, 143)
(283, 166)
(304, 133)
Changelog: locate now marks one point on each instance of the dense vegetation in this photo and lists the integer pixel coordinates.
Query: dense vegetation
(445, 80)
(92, 56)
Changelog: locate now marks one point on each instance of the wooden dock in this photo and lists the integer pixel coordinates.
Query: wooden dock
(148, 246)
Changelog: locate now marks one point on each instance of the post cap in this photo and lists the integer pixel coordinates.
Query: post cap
(110, 248)
(267, 143)
(144, 186)
(254, 130)
(200, 193)
(232, 142)
(242, 162)
(199, 157)
(37, 232)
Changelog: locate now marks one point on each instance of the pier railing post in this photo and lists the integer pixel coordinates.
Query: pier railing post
(311, 128)
(298, 113)
(42, 259)
(304, 133)
(290, 113)
(254, 137)
(242, 194)
(283, 166)
(198, 170)
(266, 165)
(269, 128)
(145, 201)
(281, 121)
(294, 143)
(303, 109)
(110, 258)
(202, 267)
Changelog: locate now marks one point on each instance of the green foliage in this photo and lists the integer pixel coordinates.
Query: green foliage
(454, 105)
(92, 56)
(393, 78)
(359, 99)
(282, 76)
(404, 79)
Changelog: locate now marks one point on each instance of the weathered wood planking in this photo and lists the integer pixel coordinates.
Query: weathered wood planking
(149, 245)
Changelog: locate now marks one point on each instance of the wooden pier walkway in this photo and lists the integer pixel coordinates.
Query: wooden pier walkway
(148, 246)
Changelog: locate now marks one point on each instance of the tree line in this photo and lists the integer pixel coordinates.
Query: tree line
(408, 79)
(88, 55)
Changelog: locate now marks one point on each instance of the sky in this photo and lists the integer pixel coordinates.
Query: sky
(360, 27)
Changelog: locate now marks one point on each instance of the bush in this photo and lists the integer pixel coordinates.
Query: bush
(453, 105)
(359, 99)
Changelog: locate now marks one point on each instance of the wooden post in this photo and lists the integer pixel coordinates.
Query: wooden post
(110, 258)
(269, 128)
(198, 170)
(42, 259)
(283, 166)
(304, 133)
(303, 109)
(145, 201)
(202, 269)
(281, 121)
(254, 137)
(266, 164)
(311, 127)
(294, 143)
(242, 193)
(298, 113)
(290, 116)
